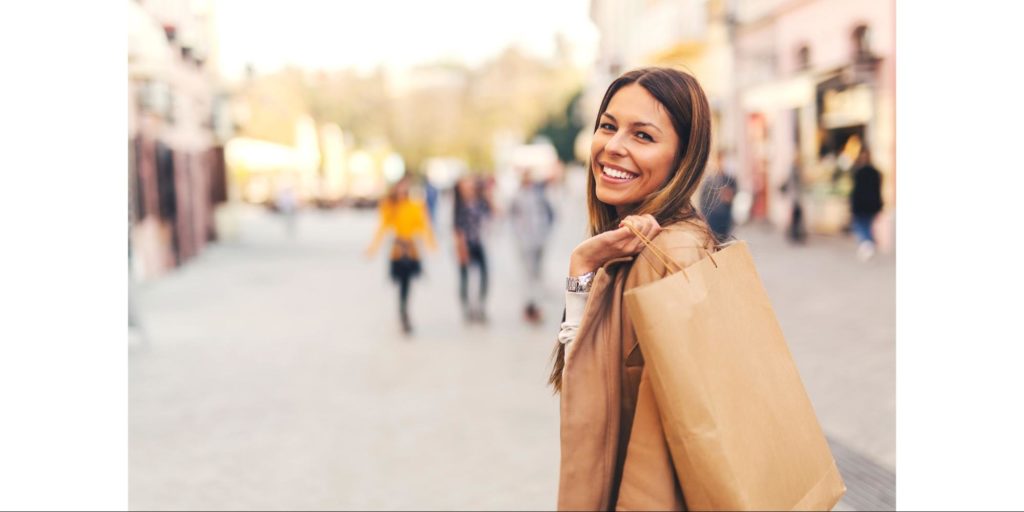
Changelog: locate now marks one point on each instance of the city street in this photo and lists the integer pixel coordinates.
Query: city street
(271, 373)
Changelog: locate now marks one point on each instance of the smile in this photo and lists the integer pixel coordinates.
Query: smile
(617, 174)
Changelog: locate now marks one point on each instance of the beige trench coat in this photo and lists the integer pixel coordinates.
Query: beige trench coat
(613, 450)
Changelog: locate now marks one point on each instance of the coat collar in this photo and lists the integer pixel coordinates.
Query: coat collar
(616, 261)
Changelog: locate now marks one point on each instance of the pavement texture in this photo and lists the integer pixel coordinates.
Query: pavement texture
(271, 372)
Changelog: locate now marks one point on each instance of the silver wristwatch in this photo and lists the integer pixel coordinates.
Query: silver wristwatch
(579, 284)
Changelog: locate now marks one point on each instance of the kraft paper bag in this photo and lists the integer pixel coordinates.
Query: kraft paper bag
(740, 427)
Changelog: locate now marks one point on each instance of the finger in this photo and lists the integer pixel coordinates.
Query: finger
(624, 230)
(638, 222)
(653, 227)
(644, 226)
(636, 246)
(650, 220)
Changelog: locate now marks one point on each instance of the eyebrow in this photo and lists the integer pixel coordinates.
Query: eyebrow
(635, 123)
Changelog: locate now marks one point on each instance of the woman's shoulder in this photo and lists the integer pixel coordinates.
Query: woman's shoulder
(682, 242)
(412, 203)
(680, 237)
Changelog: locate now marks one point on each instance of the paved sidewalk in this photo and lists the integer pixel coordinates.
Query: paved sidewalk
(274, 374)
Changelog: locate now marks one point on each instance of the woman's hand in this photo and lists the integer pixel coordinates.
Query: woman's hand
(595, 251)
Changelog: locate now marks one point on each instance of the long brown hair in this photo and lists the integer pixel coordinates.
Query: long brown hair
(687, 106)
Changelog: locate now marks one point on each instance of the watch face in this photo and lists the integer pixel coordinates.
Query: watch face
(581, 283)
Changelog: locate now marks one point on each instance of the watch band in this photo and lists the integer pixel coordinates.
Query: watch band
(579, 284)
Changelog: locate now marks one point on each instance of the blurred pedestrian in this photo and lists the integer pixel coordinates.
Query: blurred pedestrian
(796, 232)
(531, 216)
(647, 157)
(716, 198)
(407, 218)
(865, 202)
(287, 205)
(431, 196)
(472, 209)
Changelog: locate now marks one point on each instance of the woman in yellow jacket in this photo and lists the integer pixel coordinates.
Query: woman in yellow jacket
(408, 219)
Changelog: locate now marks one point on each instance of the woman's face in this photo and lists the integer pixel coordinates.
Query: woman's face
(633, 148)
(467, 189)
(402, 189)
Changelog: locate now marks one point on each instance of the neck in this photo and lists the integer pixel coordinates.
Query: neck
(623, 211)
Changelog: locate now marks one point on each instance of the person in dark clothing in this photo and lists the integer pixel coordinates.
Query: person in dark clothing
(716, 199)
(472, 208)
(796, 232)
(865, 202)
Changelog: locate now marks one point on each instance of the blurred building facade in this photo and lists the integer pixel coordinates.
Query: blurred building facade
(788, 80)
(177, 125)
(817, 82)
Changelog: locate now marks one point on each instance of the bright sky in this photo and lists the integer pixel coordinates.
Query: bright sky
(396, 33)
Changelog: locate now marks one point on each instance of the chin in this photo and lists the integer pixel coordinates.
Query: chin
(614, 200)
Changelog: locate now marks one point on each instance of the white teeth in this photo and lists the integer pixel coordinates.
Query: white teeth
(615, 173)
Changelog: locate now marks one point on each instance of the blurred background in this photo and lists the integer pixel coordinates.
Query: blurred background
(269, 364)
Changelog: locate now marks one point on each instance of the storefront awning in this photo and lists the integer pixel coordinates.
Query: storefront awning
(781, 94)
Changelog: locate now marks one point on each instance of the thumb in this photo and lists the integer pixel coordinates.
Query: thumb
(627, 227)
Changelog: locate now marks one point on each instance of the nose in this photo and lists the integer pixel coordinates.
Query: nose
(615, 145)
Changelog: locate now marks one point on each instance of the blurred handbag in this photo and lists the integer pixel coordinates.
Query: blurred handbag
(740, 427)
(404, 249)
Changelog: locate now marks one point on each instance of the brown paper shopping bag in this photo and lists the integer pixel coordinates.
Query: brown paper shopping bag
(740, 427)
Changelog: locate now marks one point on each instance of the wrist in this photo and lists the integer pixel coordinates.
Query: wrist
(580, 264)
(579, 284)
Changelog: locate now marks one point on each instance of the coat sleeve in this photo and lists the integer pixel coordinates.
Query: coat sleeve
(385, 223)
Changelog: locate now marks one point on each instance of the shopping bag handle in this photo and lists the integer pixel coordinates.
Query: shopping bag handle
(664, 258)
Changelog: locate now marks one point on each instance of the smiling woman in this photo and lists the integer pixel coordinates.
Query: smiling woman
(650, 147)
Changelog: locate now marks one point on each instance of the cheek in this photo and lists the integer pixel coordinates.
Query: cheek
(660, 166)
(597, 144)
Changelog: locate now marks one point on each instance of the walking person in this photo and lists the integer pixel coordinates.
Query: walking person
(650, 147)
(407, 218)
(431, 193)
(532, 217)
(865, 202)
(472, 209)
(795, 232)
(716, 199)
(287, 205)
